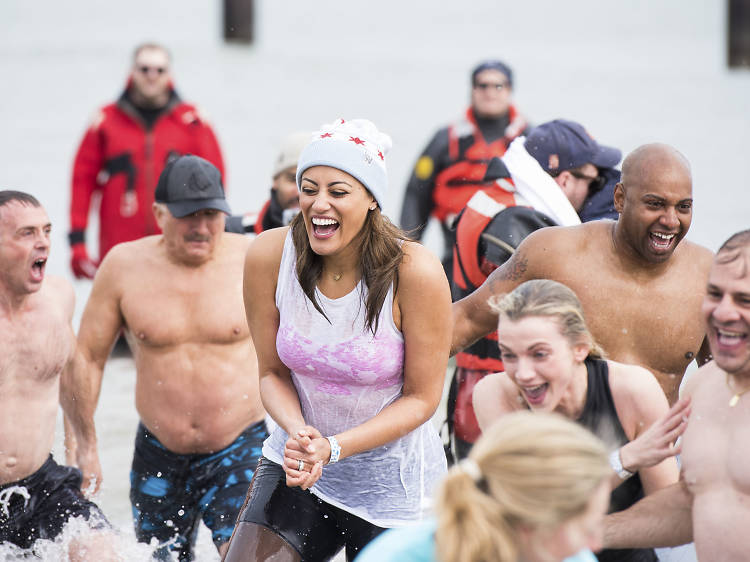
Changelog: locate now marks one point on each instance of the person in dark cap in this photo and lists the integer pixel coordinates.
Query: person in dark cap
(640, 282)
(556, 172)
(452, 167)
(178, 298)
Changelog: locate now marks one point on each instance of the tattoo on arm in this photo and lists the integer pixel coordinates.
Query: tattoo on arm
(512, 270)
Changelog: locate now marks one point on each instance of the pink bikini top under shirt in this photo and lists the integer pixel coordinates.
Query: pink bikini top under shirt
(345, 376)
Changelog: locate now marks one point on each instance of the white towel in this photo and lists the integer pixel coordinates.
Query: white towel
(536, 186)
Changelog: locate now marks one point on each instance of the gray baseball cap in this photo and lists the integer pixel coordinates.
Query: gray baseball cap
(189, 184)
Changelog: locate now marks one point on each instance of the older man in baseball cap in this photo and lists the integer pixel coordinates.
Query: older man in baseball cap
(178, 298)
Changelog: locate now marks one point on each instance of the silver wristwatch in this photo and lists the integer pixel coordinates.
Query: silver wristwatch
(615, 461)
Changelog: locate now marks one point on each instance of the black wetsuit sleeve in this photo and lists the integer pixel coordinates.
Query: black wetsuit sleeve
(418, 202)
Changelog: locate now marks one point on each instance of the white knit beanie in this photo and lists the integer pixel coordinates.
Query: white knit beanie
(355, 147)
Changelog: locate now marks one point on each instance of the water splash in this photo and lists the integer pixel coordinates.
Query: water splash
(8, 492)
(85, 540)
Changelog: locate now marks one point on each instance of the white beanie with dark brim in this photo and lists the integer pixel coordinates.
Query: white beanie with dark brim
(355, 147)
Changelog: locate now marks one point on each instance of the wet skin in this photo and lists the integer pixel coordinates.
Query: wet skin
(640, 283)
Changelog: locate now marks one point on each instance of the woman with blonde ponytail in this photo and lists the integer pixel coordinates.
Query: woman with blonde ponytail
(533, 489)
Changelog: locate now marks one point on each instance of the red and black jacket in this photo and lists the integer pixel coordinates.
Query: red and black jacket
(121, 157)
(452, 169)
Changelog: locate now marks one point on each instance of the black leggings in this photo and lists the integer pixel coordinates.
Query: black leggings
(314, 528)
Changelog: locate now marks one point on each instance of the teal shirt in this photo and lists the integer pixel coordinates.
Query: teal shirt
(417, 544)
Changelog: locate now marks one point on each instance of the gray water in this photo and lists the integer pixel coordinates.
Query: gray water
(631, 72)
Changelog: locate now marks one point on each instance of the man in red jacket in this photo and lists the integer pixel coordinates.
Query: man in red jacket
(123, 152)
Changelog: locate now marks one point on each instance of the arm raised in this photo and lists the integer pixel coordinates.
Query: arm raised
(649, 423)
(535, 258)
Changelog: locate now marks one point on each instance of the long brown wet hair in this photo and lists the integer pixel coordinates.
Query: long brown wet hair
(380, 254)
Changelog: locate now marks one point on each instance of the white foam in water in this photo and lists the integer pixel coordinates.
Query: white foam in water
(120, 548)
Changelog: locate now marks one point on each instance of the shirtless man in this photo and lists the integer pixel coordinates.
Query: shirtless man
(179, 298)
(639, 282)
(37, 496)
(711, 503)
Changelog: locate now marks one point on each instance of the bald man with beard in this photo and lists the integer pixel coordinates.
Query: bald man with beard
(640, 282)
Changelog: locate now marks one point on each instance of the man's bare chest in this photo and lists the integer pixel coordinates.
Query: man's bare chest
(656, 326)
(716, 450)
(35, 346)
(170, 314)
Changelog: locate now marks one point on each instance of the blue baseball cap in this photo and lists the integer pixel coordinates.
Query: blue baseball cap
(493, 65)
(563, 145)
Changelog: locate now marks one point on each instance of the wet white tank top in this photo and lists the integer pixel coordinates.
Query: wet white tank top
(345, 376)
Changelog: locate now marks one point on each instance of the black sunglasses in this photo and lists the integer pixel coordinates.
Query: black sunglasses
(490, 85)
(595, 182)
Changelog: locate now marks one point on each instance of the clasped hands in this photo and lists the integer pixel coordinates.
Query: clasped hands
(305, 453)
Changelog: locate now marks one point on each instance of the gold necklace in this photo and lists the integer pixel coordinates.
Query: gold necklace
(736, 398)
(336, 276)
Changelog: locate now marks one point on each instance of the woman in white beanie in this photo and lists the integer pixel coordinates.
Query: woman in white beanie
(352, 326)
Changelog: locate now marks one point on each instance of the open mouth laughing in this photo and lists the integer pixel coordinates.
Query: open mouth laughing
(729, 338)
(324, 227)
(662, 241)
(535, 395)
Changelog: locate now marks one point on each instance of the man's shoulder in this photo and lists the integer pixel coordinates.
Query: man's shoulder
(145, 245)
(59, 292)
(698, 255)
(560, 237)
(235, 245)
(59, 284)
(124, 256)
(703, 379)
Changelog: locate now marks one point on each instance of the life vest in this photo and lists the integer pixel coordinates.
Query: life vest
(464, 174)
(467, 272)
(490, 228)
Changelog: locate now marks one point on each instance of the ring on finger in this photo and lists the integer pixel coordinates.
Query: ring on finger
(300, 465)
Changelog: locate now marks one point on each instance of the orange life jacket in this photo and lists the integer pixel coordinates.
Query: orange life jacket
(467, 273)
(464, 175)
